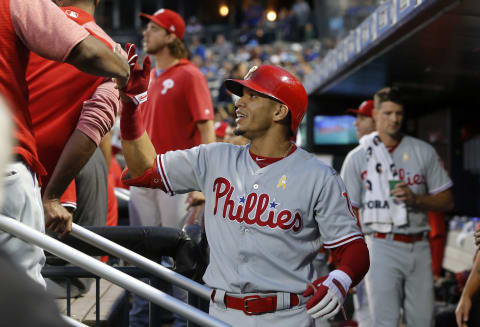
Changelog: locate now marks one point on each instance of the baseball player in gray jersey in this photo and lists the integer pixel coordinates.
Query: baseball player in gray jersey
(268, 208)
(394, 179)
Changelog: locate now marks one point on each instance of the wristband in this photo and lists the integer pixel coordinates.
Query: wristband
(131, 122)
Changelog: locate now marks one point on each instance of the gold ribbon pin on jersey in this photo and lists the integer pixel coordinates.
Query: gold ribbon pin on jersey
(282, 182)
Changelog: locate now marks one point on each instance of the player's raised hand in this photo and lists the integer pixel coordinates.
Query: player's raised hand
(327, 294)
(137, 85)
(57, 218)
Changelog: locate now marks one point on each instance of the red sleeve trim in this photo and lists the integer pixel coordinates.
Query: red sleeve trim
(342, 241)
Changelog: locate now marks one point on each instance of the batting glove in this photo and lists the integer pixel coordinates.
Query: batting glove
(328, 293)
(137, 86)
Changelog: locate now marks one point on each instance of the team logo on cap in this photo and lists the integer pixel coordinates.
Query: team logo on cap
(250, 72)
(159, 11)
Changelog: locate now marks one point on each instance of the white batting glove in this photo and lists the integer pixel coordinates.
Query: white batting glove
(328, 293)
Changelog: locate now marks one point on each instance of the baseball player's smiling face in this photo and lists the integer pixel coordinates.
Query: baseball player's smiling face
(388, 118)
(255, 113)
(155, 38)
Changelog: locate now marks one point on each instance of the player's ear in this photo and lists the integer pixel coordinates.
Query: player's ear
(281, 112)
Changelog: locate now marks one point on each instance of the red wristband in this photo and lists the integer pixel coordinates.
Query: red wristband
(131, 122)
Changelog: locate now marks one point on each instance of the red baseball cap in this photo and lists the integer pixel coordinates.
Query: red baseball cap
(365, 109)
(221, 129)
(169, 20)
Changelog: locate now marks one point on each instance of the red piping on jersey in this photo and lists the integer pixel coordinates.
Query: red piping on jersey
(164, 176)
(330, 245)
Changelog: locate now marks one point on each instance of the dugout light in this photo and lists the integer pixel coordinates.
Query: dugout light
(223, 10)
(271, 15)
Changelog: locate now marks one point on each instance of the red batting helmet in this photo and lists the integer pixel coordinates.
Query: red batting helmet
(275, 83)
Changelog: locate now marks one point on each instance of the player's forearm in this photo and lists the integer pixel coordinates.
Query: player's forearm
(139, 155)
(442, 201)
(106, 148)
(136, 145)
(75, 155)
(473, 282)
(352, 258)
(93, 57)
(207, 131)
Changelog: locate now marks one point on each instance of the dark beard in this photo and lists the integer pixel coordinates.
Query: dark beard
(238, 132)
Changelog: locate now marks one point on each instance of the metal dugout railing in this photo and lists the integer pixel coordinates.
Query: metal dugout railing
(113, 275)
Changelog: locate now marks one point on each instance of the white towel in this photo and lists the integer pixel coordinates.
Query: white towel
(381, 211)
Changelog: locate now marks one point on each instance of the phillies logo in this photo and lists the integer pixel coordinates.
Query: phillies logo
(416, 179)
(167, 84)
(252, 207)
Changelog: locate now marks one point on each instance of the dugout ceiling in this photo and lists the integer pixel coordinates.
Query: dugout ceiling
(434, 55)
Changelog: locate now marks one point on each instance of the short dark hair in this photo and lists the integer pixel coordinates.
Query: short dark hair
(386, 94)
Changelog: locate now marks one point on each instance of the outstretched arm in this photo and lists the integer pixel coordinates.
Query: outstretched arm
(93, 57)
(136, 145)
(471, 287)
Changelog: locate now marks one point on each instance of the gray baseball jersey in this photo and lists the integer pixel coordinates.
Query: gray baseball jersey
(417, 164)
(264, 225)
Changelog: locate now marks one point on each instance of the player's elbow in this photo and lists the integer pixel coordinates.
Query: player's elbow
(448, 203)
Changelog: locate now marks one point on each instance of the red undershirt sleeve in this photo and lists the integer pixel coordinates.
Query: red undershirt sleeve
(353, 259)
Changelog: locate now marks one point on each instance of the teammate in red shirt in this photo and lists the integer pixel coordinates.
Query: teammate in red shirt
(69, 128)
(40, 26)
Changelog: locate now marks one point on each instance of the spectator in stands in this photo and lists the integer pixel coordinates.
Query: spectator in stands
(301, 10)
(252, 13)
(197, 49)
(309, 32)
(40, 26)
(222, 48)
(177, 115)
(310, 54)
(194, 27)
(286, 25)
